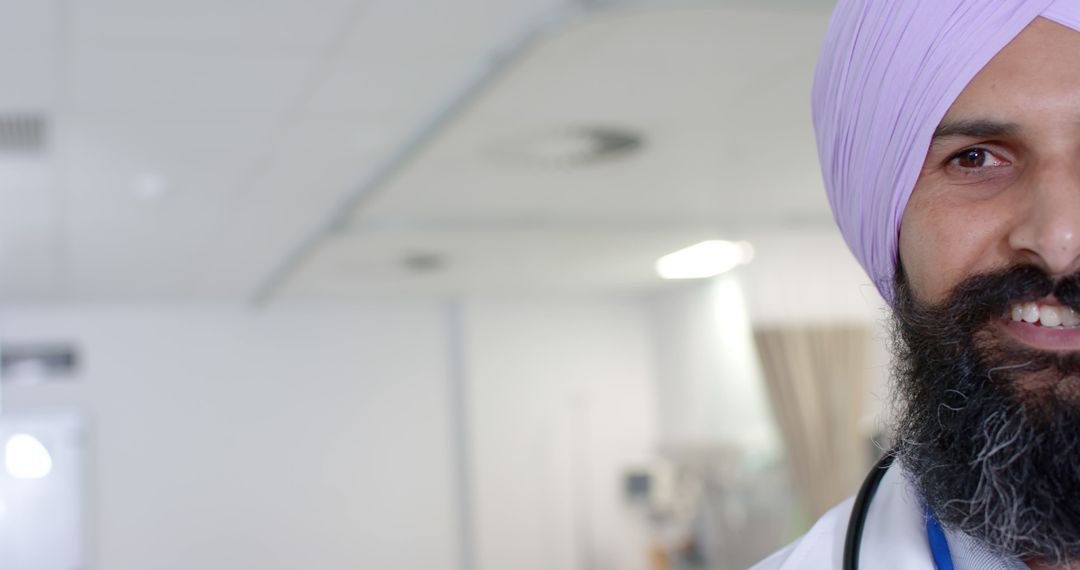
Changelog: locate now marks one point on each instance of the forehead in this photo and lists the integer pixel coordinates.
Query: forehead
(1036, 76)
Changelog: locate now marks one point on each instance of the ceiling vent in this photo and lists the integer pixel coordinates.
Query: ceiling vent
(35, 362)
(23, 133)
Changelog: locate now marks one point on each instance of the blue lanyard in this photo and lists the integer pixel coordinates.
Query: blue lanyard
(939, 547)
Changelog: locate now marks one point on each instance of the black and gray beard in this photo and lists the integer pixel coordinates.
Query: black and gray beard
(989, 430)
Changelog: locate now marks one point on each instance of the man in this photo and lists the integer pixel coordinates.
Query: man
(949, 135)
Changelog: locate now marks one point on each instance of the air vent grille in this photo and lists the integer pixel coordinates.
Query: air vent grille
(23, 133)
(34, 362)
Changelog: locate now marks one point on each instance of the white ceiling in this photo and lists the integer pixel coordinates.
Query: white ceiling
(260, 117)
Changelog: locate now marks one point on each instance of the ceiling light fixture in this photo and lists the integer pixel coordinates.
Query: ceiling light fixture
(573, 146)
(424, 262)
(706, 259)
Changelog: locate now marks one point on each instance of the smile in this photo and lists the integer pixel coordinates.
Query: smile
(1044, 315)
(1044, 325)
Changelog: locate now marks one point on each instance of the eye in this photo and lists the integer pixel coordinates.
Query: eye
(976, 157)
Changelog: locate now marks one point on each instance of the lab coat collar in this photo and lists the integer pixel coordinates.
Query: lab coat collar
(895, 532)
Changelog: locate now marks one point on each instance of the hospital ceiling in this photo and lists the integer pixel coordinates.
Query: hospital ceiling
(279, 150)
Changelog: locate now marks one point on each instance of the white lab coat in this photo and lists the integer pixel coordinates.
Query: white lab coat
(894, 536)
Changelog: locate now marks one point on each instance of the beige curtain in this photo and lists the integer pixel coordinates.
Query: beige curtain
(816, 379)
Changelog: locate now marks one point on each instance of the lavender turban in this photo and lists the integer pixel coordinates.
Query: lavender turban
(888, 72)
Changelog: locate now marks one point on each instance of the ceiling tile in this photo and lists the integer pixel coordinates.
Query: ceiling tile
(212, 28)
(186, 84)
(261, 116)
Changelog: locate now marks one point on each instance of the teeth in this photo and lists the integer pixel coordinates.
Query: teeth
(1046, 315)
(1031, 313)
(1069, 318)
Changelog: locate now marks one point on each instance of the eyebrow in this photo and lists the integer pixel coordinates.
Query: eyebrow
(978, 128)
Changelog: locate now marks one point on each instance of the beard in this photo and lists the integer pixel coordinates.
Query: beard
(988, 429)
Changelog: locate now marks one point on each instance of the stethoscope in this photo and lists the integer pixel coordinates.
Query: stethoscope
(939, 547)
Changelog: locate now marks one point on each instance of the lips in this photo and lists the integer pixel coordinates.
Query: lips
(1044, 325)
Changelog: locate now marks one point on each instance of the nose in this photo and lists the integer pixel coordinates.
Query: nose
(1048, 228)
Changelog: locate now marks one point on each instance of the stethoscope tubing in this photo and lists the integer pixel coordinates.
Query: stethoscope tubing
(860, 509)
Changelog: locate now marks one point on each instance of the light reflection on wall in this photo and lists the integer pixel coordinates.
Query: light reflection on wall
(710, 386)
(25, 457)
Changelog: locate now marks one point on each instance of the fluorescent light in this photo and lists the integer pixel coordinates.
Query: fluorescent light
(26, 458)
(705, 259)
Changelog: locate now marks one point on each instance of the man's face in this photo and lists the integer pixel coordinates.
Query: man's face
(1001, 182)
(988, 352)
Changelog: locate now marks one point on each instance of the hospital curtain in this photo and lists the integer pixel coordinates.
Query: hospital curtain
(816, 379)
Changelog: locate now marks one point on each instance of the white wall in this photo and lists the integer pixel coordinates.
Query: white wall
(710, 384)
(40, 518)
(807, 276)
(562, 404)
(224, 439)
(324, 438)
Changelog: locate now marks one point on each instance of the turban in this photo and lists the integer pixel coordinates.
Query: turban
(888, 72)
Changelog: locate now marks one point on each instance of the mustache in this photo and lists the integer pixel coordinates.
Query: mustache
(989, 295)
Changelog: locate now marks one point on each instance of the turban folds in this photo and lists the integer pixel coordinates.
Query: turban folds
(889, 71)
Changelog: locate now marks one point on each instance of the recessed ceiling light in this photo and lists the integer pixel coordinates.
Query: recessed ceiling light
(572, 146)
(706, 259)
(424, 262)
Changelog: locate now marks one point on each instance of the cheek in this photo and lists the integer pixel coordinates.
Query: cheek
(943, 245)
(918, 257)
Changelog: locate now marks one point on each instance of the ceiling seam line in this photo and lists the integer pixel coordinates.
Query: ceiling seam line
(338, 216)
(327, 61)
